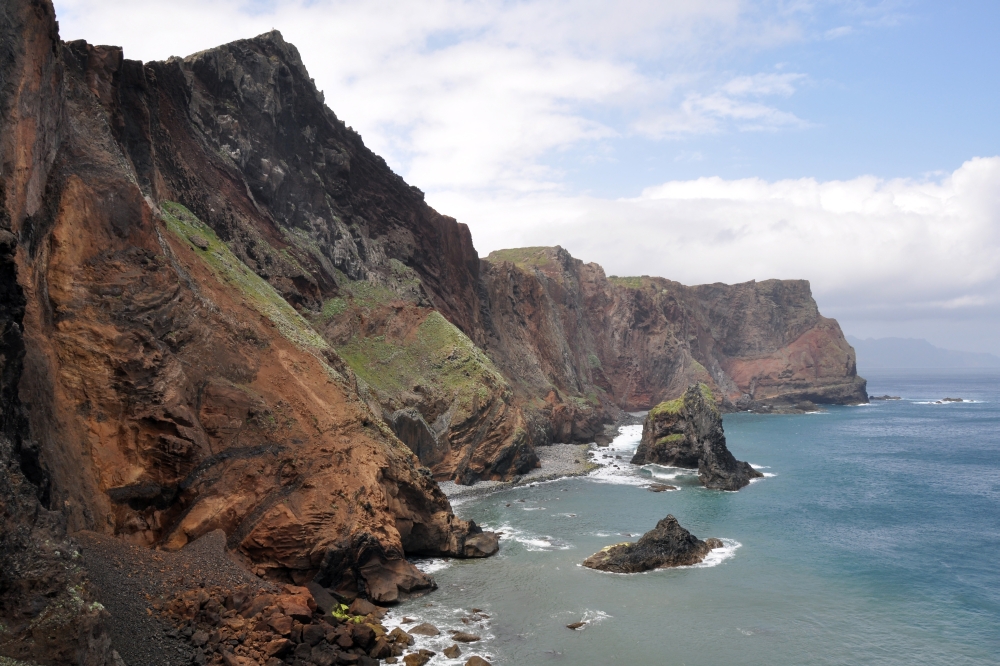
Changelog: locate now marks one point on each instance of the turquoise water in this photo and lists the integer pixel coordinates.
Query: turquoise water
(875, 541)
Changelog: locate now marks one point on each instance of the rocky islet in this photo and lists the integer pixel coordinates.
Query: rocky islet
(687, 432)
(666, 545)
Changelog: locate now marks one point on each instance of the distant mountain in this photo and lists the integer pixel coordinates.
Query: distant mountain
(914, 353)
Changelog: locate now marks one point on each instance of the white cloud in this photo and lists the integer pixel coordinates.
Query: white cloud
(477, 93)
(890, 249)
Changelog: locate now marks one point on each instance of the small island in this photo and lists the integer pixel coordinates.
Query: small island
(687, 432)
(666, 545)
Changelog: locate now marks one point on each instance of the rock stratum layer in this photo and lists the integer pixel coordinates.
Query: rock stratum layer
(220, 310)
(666, 545)
(687, 432)
(158, 381)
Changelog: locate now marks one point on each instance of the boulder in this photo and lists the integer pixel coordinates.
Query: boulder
(476, 661)
(666, 545)
(392, 580)
(452, 652)
(463, 637)
(687, 432)
(425, 629)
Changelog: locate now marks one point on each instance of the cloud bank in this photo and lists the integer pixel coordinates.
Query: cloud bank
(875, 250)
(476, 93)
(472, 101)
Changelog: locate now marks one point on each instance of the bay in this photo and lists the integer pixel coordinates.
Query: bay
(873, 540)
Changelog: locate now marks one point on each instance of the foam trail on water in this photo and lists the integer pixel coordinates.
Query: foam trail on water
(717, 556)
(531, 542)
(431, 565)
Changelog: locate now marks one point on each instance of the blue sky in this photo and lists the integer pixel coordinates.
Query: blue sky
(723, 140)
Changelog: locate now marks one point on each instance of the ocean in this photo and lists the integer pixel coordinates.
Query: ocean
(873, 539)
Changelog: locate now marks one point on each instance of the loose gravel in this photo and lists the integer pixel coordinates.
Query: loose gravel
(129, 579)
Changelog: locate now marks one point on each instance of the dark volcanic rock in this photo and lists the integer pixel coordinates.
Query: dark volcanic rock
(687, 432)
(666, 545)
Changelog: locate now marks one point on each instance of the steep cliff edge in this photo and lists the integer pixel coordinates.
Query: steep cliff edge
(224, 312)
(591, 344)
(687, 432)
(159, 382)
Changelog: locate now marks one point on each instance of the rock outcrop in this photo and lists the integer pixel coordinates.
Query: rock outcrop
(158, 381)
(666, 545)
(687, 432)
(582, 344)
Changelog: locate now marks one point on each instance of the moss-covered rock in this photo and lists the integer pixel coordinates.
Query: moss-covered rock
(687, 432)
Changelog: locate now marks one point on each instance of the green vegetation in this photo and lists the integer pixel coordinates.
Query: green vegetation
(523, 256)
(333, 308)
(341, 613)
(670, 439)
(668, 407)
(705, 391)
(231, 271)
(631, 282)
(438, 355)
(593, 360)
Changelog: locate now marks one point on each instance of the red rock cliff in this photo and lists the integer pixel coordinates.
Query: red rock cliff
(159, 382)
(590, 343)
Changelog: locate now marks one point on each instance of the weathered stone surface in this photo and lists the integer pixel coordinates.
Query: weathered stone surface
(476, 660)
(424, 629)
(666, 545)
(173, 388)
(687, 432)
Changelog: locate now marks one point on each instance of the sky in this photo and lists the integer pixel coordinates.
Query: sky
(852, 143)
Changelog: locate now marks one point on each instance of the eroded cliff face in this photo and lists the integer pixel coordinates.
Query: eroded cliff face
(592, 344)
(168, 386)
(224, 312)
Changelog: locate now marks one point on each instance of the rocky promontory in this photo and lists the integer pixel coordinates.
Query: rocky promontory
(666, 545)
(687, 432)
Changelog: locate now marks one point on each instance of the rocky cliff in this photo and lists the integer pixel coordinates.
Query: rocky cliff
(687, 432)
(220, 310)
(583, 344)
(158, 381)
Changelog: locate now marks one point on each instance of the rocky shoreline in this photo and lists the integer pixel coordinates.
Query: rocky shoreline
(555, 461)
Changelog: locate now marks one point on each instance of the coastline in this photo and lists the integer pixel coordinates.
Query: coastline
(556, 461)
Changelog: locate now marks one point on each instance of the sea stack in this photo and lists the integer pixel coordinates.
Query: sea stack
(666, 545)
(687, 432)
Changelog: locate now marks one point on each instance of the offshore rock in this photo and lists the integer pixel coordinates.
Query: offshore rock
(666, 545)
(687, 432)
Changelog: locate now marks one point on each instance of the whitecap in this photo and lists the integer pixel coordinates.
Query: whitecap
(717, 556)
(530, 542)
(431, 565)
(445, 619)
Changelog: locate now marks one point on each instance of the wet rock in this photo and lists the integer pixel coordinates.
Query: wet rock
(392, 580)
(483, 544)
(575, 625)
(452, 652)
(463, 637)
(400, 637)
(666, 545)
(476, 661)
(687, 432)
(425, 629)
(660, 487)
(418, 658)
